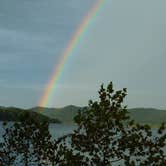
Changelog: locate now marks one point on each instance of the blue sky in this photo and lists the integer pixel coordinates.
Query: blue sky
(125, 44)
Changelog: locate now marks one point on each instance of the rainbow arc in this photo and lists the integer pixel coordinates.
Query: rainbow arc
(76, 38)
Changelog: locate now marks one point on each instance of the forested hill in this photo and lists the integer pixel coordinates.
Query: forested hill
(148, 115)
(66, 114)
(13, 114)
(142, 115)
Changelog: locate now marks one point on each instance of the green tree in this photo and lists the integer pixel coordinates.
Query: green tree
(25, 141)
(106, 134)
(30, 143)
(7, 155)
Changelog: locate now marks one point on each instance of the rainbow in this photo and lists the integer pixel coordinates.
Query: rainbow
(78, 35)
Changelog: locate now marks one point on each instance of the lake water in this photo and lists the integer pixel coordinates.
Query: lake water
(56, 130)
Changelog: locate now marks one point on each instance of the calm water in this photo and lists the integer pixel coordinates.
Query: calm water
(56, 130)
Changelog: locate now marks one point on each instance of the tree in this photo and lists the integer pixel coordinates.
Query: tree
(106, 134)
(30, 143)
(25, 141)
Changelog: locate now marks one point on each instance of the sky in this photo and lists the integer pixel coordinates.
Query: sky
(124, 44)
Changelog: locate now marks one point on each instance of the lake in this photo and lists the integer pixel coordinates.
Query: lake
(56, 130)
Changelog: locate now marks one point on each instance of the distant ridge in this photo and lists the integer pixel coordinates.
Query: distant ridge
(142, 115)
(151, 116)
(66, 114)
(13, 114)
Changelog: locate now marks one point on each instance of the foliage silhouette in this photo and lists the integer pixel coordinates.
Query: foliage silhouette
(25, 141)
(105, 135)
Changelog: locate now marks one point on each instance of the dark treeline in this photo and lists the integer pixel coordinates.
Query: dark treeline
(105, 135)
(14, 114)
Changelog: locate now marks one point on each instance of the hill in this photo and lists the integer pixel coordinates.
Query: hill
(142, 115)
(13, 114)
(65, 114)
(148, 115)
